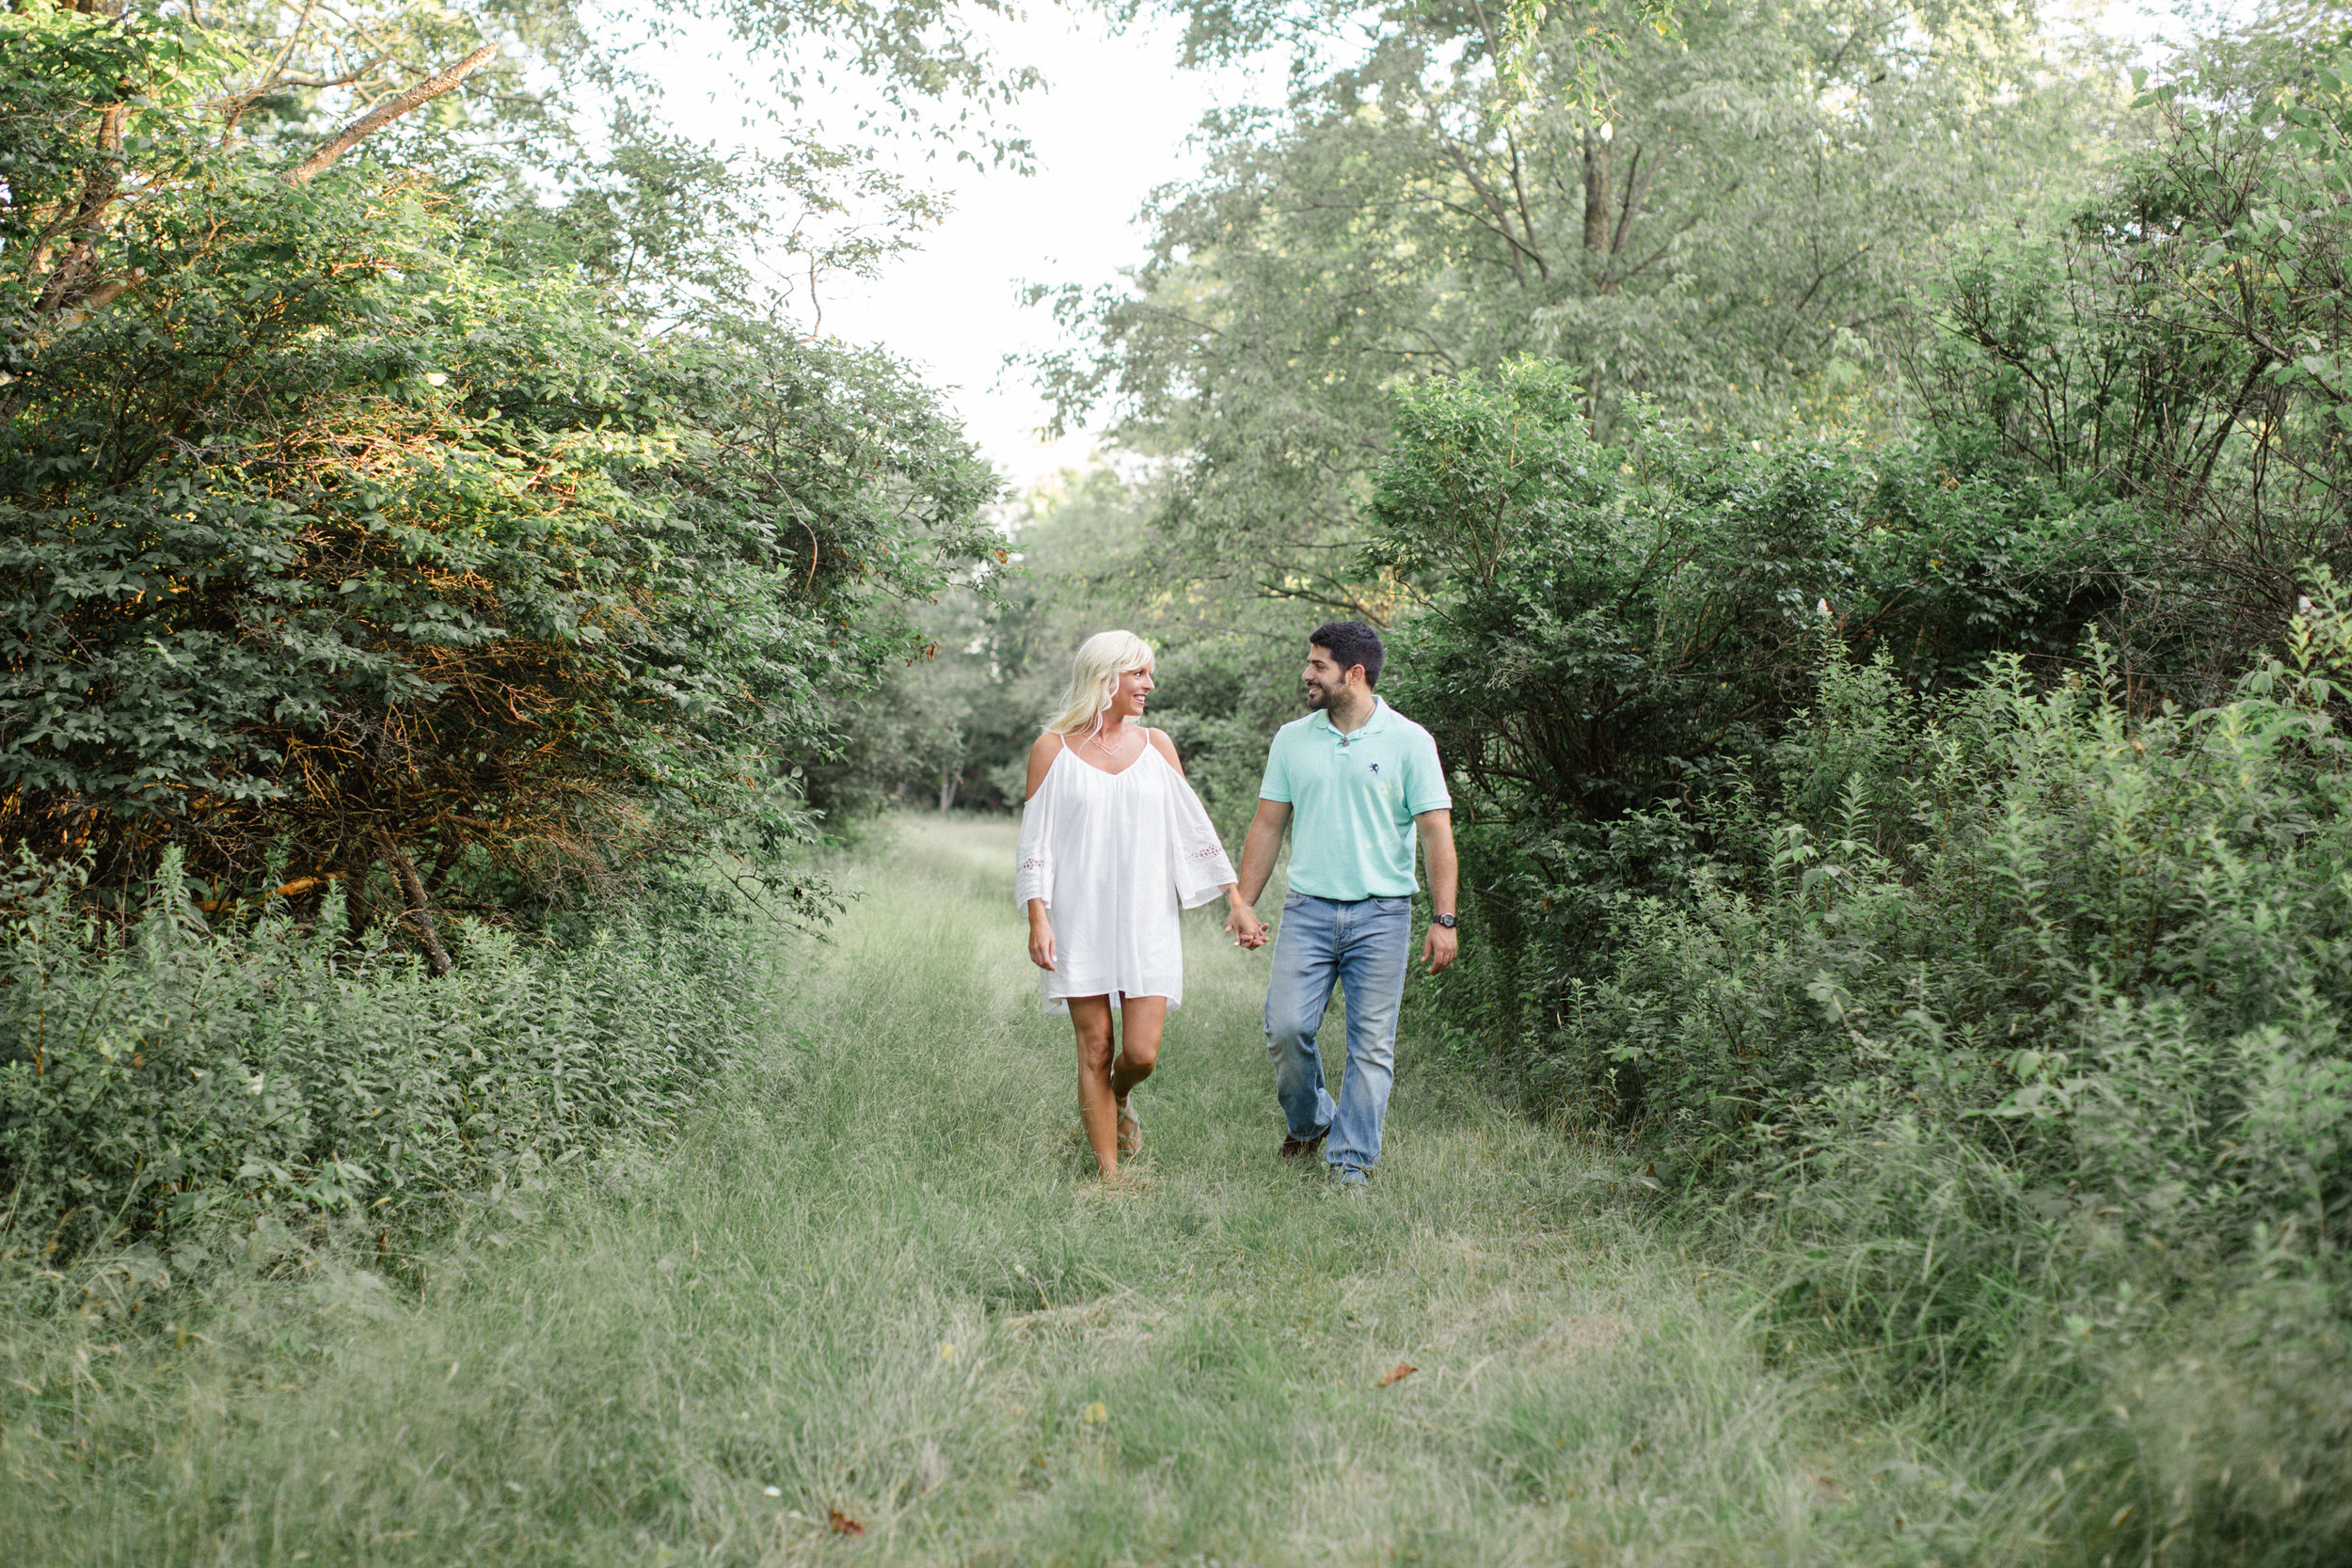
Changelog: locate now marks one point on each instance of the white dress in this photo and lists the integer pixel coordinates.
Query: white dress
(1113, 856)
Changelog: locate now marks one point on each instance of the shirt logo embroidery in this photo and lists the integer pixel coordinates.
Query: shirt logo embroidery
(1375, 767)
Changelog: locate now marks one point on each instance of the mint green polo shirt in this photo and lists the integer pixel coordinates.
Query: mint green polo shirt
(1353, 799)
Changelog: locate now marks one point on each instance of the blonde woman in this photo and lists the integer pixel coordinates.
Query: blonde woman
(1113, 843)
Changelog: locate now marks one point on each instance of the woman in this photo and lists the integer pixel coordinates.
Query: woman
(1113, 843)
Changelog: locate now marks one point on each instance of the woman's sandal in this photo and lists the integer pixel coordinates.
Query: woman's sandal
(1130, 1131)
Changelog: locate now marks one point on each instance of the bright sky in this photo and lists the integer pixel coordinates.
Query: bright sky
(1113, 122)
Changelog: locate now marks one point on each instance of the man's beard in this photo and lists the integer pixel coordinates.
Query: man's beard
(1317, 697)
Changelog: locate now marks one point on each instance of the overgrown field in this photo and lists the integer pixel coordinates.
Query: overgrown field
(177, 1087)
(874, 1279)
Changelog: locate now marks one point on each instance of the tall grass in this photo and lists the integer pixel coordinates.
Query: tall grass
(876, 1280)
(179, 1089)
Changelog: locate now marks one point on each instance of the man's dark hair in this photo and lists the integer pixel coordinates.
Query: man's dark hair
(1351, 642)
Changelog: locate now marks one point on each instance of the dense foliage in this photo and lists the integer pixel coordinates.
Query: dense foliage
(427, 572)
(180, 1082)
(1723, 214)
(2017, 1018)
(350, 528)
(2178, 343)
(1614, 628)
(1883, 839)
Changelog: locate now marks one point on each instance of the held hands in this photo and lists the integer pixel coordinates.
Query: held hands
(1246, 929)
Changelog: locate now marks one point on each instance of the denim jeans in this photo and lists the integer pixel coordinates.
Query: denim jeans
(1363, 946)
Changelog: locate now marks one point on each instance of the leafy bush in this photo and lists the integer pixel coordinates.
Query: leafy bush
(1998, 998)
(2021, 1015)
(168, 1081)
(1609, 628)
(2180, 345)
(346, 528)
(2117, 946)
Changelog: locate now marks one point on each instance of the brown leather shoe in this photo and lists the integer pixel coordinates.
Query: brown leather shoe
(1294, 1148)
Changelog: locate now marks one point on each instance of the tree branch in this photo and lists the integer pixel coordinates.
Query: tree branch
(420, 914)
(386, 112)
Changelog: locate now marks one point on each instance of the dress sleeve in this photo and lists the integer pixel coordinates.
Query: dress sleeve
(1200, 868)
(1033, 876)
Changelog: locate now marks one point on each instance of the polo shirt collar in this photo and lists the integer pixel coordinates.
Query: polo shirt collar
(1379, 719)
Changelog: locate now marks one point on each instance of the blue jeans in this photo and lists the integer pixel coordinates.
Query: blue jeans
(1364, 946)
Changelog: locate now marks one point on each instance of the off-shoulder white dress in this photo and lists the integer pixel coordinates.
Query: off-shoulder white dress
(1115, 855)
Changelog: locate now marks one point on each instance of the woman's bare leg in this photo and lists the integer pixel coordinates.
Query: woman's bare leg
(1098, 1108)
(1141, 1018)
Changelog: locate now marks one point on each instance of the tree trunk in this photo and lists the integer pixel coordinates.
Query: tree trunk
(419, 916)
(1597, 158)
(948, 779)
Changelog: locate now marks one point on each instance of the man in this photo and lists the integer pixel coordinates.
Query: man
(1355, 782)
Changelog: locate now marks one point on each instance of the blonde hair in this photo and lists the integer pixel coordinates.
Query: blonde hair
(1094, 677)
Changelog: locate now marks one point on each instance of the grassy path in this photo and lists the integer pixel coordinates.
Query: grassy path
(879, 1280)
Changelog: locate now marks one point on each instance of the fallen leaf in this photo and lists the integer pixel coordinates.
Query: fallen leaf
(843, 1525)
(1397, 1374)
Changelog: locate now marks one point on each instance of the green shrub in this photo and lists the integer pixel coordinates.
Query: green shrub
(2018, 1017)
(2116, 947)
(167, 1080)
(1610, 629)
(347, 531)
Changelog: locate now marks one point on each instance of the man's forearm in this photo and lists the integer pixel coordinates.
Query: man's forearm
(1437, 842)
(1257, 861)
(1442, 884)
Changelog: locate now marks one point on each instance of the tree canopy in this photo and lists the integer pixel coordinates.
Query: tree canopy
(1724, 216)
(350, 514)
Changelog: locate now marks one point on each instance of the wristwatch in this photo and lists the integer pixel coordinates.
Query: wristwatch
(1444, 920)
